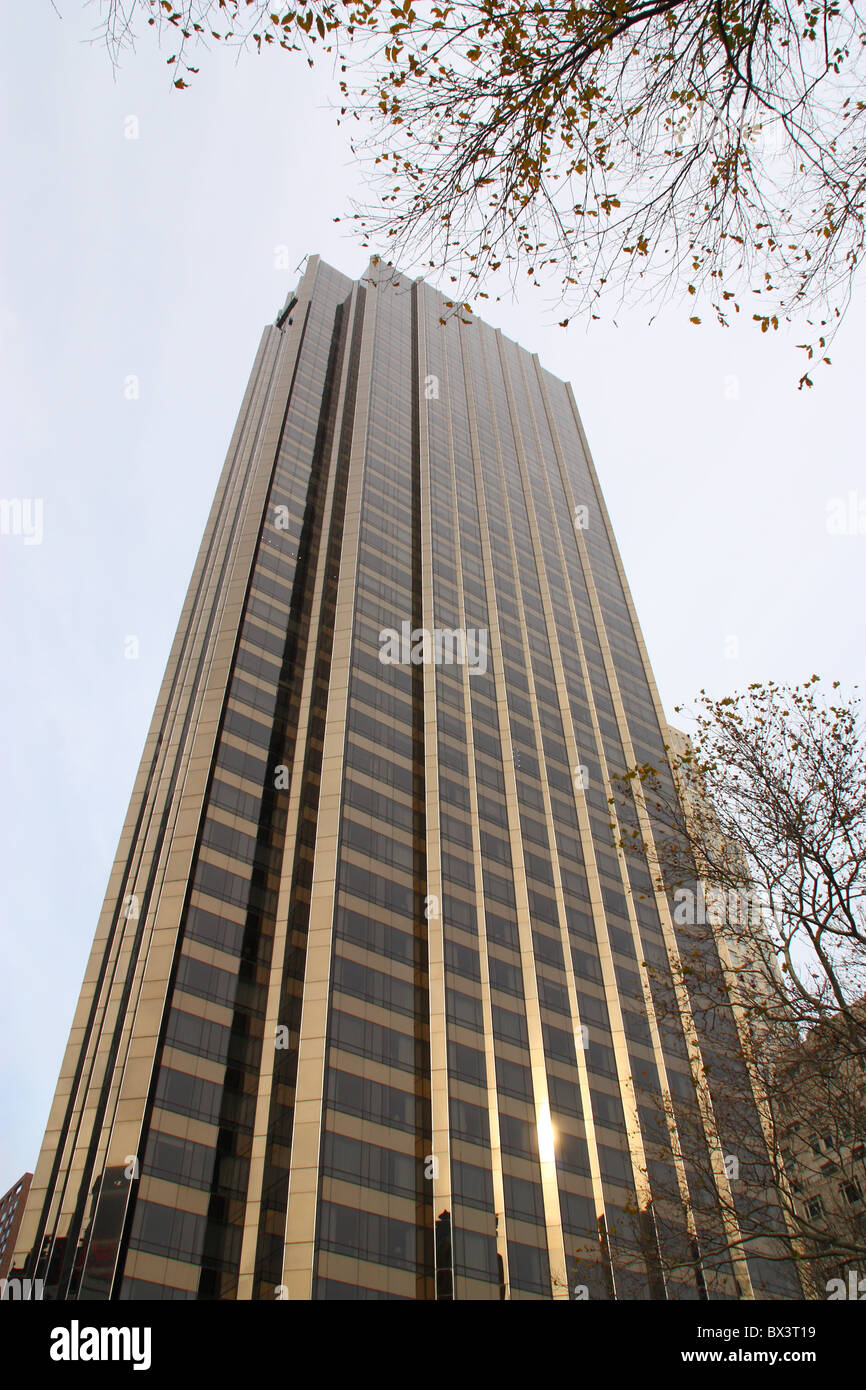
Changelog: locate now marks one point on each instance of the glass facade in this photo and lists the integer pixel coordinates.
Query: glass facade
(376, 1007)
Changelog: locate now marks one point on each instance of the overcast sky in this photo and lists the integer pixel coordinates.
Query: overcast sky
(161, 258)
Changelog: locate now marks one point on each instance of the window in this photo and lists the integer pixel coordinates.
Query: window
(467, 1064)
(372, 985)
(814, 1209)
(528, 1267)
(473, 1186)
(368, 1236)
(509, 1027)
(163, 1230)
(462, 1008)
(370, 1165)
(356, 1095)
(523, 1200)
(517, 1136)
(513, 1079)
(374, 1040)
(851, 1192)
(207, 981)
(188, 1095)
(475, 1255)
(470, 1122)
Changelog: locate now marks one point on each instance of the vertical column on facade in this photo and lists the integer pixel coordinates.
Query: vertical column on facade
(595, 1175)
(624, 1077)
(299, 1251)
(649, 1005)
(478, 869)
(228, 599)
(547, 1162)
(115, 970)
(452, 382)
(588, 847)
(687, 1021)
(329, 800)
(624, 1067)
(443, 1203)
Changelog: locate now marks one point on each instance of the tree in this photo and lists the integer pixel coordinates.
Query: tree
(760, 841)
(713, 148)
(772, 815)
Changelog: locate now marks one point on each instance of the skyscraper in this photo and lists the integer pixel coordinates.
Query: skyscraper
(377, 1006)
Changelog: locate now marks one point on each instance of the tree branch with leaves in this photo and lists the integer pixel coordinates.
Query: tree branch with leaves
(625, 152)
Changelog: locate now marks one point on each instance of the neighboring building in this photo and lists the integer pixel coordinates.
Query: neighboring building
(727, 908)
(822, 1124)
(734, 913)
(811, 1091)
(369, 1012)
(11, 1212)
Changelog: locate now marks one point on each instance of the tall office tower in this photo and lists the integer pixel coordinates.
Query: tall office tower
(376, 1007)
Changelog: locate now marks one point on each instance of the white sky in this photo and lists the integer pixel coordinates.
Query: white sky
(155, 257)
